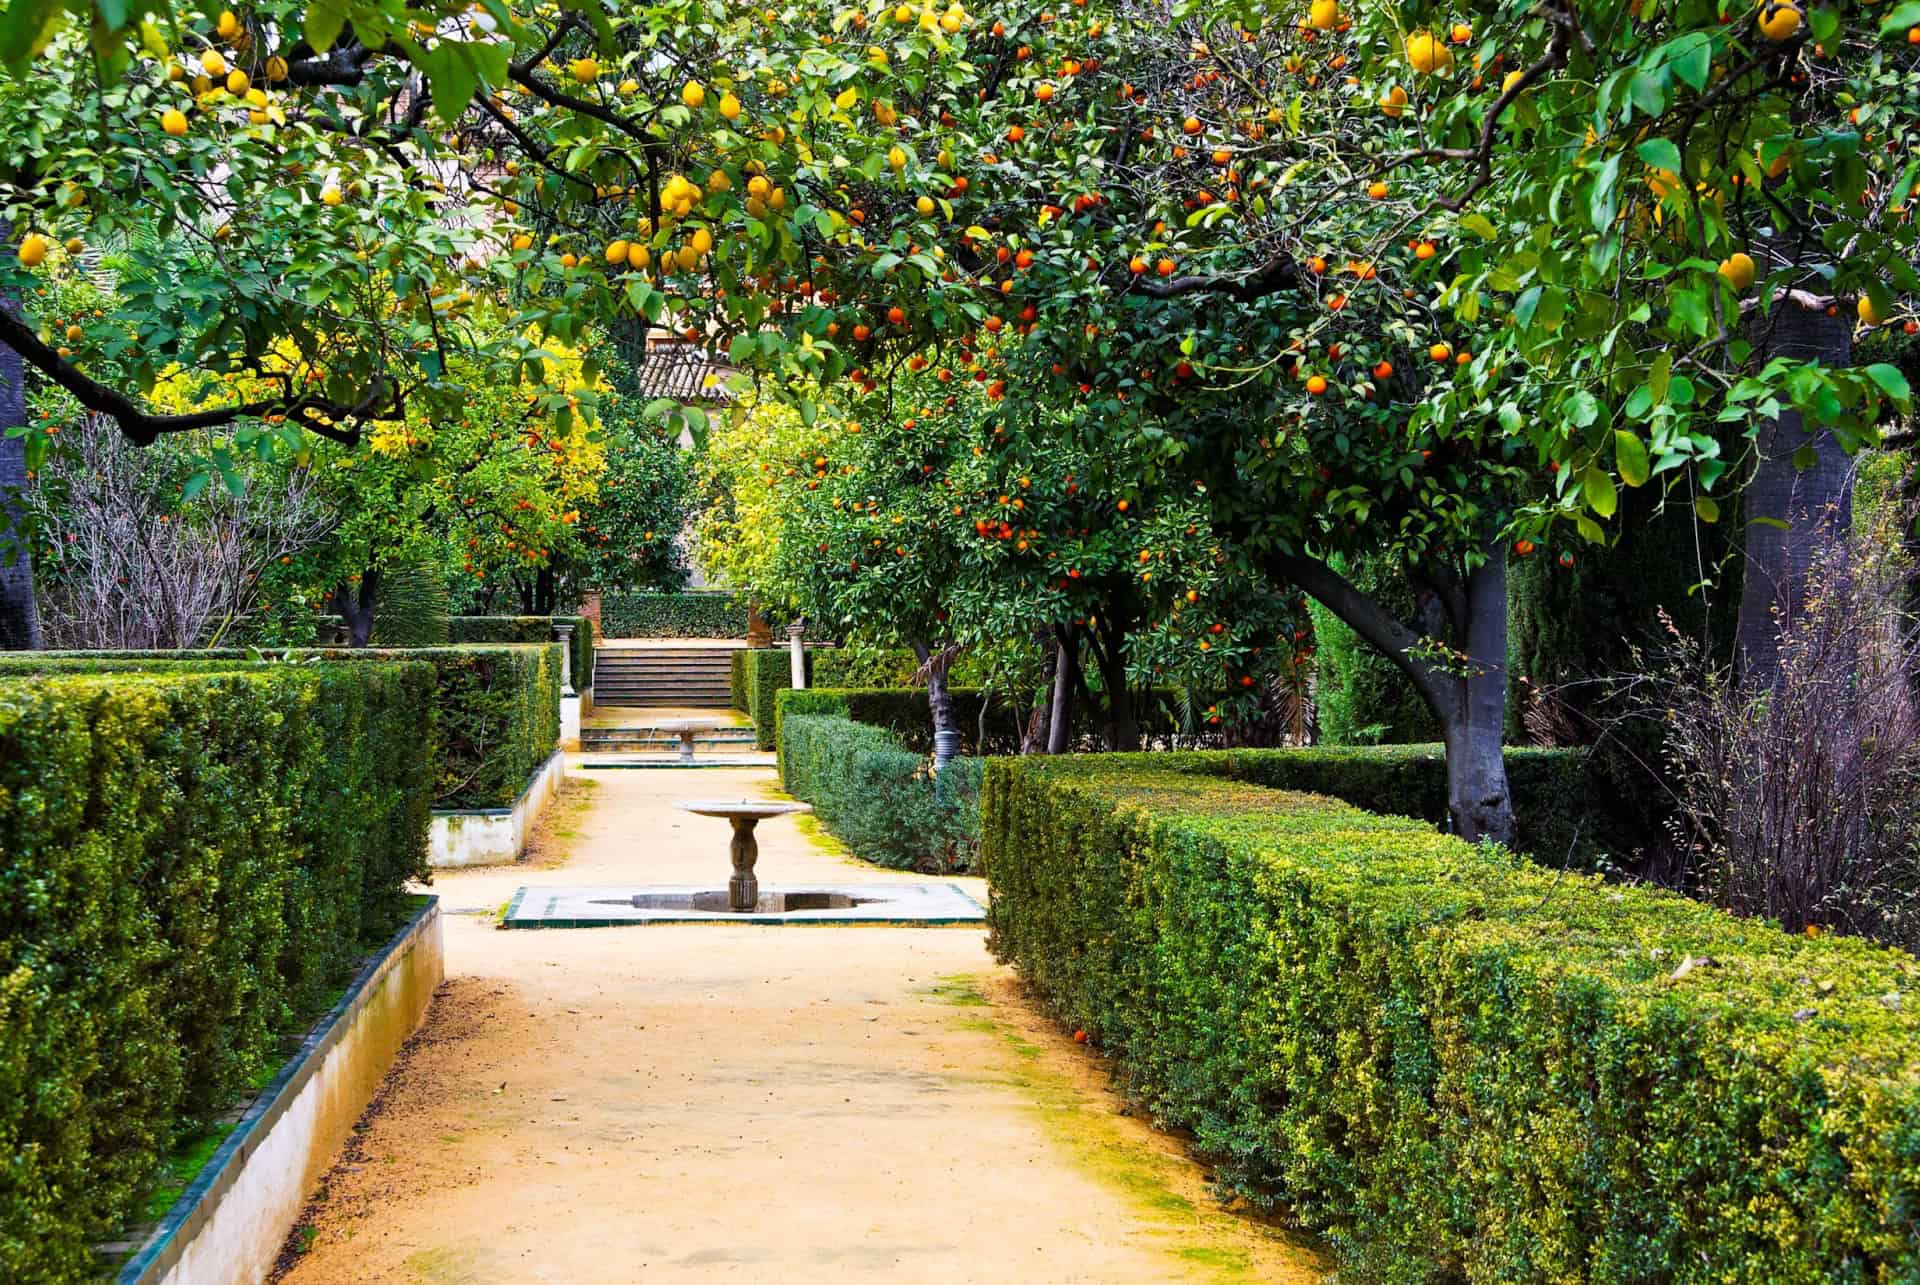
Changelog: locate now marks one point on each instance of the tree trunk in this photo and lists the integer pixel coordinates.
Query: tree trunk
(1033, 738)
(1060, 733)
(1474, 726)
(946, 730)
(19, 610)
(355, 606)
(1468, 696)
(1787, 508)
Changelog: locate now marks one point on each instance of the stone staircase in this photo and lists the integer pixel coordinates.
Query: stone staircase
(687, 677)
(607, 740)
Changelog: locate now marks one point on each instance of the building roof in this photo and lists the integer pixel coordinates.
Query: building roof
(683, 371)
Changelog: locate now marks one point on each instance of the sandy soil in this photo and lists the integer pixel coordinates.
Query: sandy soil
(748, 1103)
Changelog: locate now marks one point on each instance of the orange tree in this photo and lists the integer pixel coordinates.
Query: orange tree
(1385, 281)
(941, 516)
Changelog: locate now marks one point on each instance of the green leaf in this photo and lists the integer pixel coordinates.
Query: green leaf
(1660, 153)
(1597, 488)
(1630, 457)
(1648, 92)
(325, 19)
(1897, 22)
(1891, 381)
(1480, 225)
(1582, 409)
(1707, 508)
(1600, 202)
(1692, 59)
(1657, 376)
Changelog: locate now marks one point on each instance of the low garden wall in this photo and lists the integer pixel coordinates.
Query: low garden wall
(1451, 1062)
(233, 1219)
(194, 861)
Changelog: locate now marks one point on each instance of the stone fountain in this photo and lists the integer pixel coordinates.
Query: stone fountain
(743, 889)
(688, 728)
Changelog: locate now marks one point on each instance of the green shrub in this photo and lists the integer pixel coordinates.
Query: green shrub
(760, 674)
(499, 706)
(1567, 815)
(699, 614)
(412, 607)
(1457, 1065)
(532, 629)
(862, 667)
(193, 860)
(880, 798)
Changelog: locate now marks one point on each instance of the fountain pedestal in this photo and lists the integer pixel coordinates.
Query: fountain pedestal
(743, 889)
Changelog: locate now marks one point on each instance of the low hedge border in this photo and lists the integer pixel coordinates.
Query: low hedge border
(879, 798)
(1564, 814)
(498, 705)
(194, 860)
(709, 614)
(1455, 1064)
(905, 712)
(466, 630)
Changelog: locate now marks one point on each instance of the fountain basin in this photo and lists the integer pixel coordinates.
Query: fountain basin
(906, 904)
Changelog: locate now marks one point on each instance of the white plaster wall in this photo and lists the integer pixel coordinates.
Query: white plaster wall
(496, 836)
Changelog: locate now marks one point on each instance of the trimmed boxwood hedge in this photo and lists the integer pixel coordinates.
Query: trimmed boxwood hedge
(1455, 1064)
(194, 860)
(879, 798)
(531, 629)
(904, 711)
(499, 706)
(760, 674)
(1565, 814)
(506, 629)
(711, 614)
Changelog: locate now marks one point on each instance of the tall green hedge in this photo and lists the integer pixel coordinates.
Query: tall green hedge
(531, 629)
(759, 675)
(499, 706)
(1568, 815)
(191, 861)
(879, 797)
(698, 614)
(1454, 1064)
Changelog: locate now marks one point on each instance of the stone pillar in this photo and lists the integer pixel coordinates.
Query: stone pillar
(564, 633)
(794, 633)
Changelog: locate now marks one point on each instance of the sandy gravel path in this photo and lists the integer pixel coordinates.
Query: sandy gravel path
(748, 1103)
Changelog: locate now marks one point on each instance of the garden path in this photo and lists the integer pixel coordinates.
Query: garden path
(748, 1103)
